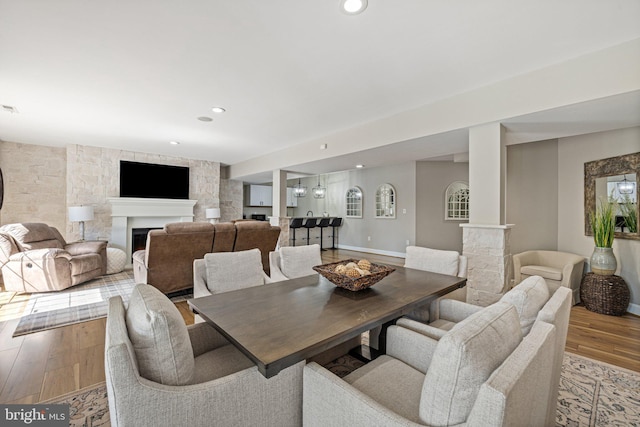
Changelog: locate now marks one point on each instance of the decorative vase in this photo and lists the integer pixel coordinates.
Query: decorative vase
(603, 261)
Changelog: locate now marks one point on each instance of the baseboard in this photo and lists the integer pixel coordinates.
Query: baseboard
(373, 251)
(634, 309)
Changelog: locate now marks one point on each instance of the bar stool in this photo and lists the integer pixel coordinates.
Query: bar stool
(293, 225)
(309, 224)
(336, 222)
(324, 223)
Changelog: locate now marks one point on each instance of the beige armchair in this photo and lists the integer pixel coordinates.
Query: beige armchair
(482, 373)
(36, 258)
(557, 268)
(159, 372)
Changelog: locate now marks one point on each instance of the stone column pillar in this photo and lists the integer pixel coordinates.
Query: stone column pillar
(488, 252)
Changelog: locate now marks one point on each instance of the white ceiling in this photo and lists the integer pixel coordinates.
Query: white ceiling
(135, 75)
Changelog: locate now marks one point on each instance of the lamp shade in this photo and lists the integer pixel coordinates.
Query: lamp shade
(212, 213)
(80, 213)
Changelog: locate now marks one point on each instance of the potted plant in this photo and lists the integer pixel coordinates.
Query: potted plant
(603, 261)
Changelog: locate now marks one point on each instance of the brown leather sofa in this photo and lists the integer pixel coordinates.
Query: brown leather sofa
(167, 261)
(36, 258)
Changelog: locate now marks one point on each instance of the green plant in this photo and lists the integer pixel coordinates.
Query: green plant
(603, 224)
(628, 210)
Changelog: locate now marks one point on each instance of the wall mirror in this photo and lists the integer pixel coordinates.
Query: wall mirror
(615, 179)
(386, 201)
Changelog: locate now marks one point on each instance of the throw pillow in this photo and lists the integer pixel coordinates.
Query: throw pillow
(159, 336)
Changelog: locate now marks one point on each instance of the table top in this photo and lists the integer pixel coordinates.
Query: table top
(280, 324)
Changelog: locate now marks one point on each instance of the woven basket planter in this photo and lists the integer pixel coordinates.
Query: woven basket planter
(605, 294)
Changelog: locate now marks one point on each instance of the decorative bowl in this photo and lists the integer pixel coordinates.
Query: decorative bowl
(378, 272)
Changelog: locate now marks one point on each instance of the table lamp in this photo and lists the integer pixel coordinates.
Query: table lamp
(213, 214)
(81, 214)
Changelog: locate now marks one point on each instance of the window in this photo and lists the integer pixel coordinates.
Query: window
(386, 201)
(456, 203)
(354, 203)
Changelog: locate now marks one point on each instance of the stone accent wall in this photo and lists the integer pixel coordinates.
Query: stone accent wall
(34, 184)
(93, 174)
(489, 268)
(231, 196)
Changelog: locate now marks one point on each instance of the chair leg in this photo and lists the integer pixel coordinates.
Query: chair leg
(294, 237)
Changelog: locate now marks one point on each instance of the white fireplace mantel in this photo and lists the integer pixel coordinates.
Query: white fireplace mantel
(132, 212)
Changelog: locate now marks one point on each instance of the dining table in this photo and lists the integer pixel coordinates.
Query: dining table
(279, 324)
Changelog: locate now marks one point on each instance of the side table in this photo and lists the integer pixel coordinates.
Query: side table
(605, 294)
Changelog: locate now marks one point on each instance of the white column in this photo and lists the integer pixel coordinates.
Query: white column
(486, 239)
(279, 206)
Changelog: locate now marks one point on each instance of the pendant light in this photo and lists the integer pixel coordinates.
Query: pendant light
(625, 186)
(299, 190)
(319, 191)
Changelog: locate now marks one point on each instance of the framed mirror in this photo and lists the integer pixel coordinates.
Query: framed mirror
(386, 201)
(615, 179)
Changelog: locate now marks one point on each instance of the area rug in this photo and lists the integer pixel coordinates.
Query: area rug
(592, 393)
(595, 393)
(80, 303)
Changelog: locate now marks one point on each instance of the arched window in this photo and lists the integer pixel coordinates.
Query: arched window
(354, 203)
(386, 201)
(456, 201)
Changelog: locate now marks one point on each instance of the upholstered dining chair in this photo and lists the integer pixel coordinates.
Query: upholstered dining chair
(159, 372)
(290, 262)
(482, 373)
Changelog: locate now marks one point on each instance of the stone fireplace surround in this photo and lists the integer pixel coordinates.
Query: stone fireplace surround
(129, 213)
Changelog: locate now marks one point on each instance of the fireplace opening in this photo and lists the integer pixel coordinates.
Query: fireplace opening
(139, 238)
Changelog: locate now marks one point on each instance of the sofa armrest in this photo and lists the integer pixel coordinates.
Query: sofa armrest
(38, 255)
(86, 247)
(410, 347)
(456, 311)
(430, 331)
(330, 401)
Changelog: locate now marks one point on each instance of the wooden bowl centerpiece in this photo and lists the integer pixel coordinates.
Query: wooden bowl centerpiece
(353, 274)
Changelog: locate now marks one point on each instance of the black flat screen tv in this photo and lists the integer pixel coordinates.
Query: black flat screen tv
(153, 181)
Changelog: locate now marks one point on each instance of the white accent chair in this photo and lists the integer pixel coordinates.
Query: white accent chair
(557, 268)
(290, 262)
(482, 373)
(159, 372)
(532, 302)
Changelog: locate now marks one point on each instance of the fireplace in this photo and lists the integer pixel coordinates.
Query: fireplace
(139, 238)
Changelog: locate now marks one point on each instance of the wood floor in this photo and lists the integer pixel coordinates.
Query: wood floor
(46, 364)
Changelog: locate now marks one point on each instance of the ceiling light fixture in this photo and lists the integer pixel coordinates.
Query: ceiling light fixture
(174, 143)
(299, 190)
(319, 191)
(353, 7)
(625, 186)
(218, 110)
(359, 166)
(205, 119)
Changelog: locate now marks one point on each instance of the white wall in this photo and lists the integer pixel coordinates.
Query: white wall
(532, 195)
(572, 154)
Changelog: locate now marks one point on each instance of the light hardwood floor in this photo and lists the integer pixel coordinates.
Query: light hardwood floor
(46, 364)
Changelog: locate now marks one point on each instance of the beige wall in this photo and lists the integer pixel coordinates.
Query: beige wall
(34, 184)
(41, 182)
(532, 195)
(432, 180)
(572, 154)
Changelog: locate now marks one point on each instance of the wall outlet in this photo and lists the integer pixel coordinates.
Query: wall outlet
(368, 238)
(404, 211)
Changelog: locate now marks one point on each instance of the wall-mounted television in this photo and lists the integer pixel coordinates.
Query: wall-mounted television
(153, 181)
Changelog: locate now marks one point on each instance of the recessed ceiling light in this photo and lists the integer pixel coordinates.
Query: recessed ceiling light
(359, 166)
(353, 7)
(174, 143)
(218, 110)
(205, 119)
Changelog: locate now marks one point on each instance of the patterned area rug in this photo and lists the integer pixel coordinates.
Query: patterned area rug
(594, 393)
(80, 303)
(591, 394)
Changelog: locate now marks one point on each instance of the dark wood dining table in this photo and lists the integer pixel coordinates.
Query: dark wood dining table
(279, 324)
